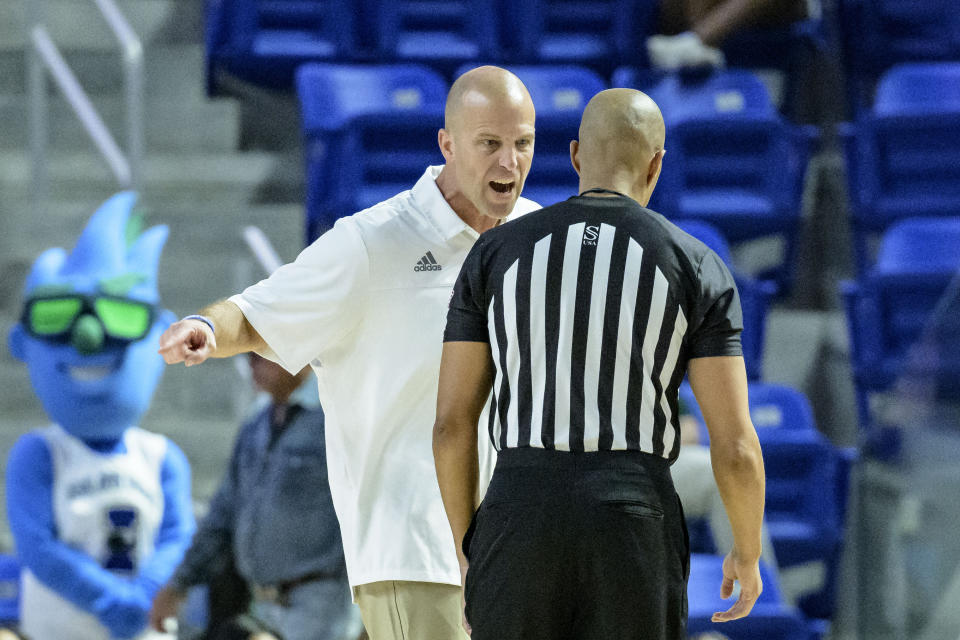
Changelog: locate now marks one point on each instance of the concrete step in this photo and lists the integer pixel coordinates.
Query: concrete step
(171, 124)
(169, 70)
(170, 179)
(77, 24)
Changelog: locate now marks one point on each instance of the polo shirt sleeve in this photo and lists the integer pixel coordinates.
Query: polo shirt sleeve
(308, 306)
(467, 315)
(718, 308)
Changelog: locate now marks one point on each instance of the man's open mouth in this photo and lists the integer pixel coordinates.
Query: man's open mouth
(502, 186)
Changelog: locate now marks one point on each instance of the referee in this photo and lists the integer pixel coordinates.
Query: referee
(584, 318)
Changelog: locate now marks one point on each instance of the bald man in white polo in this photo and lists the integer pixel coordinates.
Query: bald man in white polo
(365, 305)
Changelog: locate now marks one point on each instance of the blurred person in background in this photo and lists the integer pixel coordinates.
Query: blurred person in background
(273, 514)
(692, 32)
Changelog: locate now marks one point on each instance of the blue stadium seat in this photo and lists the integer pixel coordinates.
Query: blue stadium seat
(903, 156)
(879, 34)
(731, 159)
(755, 295)
(598, 33)
(559, 95)
(9, 590)
(442, 33)
(774, 406)
(369, 131)
(263, 41)
(770, 618)
(901, 314)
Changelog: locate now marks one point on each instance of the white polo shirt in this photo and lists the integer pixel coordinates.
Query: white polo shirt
(365, 305)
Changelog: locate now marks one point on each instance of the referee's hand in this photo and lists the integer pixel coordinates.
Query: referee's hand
(187, 341)
(751, 586)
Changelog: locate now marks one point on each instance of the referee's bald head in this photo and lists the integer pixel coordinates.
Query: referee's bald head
(621, 134)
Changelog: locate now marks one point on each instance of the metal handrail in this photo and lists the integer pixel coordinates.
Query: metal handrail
(45, 56)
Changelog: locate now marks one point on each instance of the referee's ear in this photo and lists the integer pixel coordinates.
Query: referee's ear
(653, 171)
(574, 152)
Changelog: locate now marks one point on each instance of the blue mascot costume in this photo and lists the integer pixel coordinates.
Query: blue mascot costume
(100, 509)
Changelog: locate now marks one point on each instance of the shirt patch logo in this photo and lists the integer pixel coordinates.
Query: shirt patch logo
(590, 235)
(427, 263)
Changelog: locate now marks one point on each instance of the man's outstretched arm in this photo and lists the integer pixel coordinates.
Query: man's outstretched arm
(720, 386)
(191, 341)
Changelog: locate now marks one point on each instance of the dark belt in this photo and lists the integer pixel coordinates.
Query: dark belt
(279, 592)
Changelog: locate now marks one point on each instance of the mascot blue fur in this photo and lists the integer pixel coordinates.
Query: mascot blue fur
(100, 509)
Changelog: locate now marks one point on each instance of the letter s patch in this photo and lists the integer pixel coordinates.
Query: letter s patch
(590, 235)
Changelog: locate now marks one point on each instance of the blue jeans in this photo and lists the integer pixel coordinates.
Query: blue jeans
(318, 610)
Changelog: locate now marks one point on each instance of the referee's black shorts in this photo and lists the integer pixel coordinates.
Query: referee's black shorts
(578, 546)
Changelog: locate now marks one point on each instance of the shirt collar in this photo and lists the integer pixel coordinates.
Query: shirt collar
(427, 197)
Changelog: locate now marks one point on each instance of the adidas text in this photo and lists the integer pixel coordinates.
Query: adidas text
(427, 263)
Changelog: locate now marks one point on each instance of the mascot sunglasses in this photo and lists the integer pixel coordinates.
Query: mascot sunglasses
(52, 317)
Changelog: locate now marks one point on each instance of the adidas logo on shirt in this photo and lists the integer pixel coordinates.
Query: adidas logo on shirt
(427, 263)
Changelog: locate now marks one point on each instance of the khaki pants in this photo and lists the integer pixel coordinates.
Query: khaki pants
(403, 610)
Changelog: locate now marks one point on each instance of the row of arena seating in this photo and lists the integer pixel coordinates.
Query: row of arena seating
(734, 162)
(263, 41)
(903, 153)
(879, 34)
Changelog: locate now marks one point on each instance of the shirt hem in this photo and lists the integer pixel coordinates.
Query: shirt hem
(403, 576)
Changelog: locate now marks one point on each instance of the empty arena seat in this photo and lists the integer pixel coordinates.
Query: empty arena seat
(370, 132)
(600, 33)
(775, 406)
(902, 314)
(731, 159)
(755, 295)
(443, 33)
(770, 618)
(903, 155)
(263, 41)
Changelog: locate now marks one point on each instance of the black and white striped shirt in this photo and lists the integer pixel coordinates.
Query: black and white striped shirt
(592, 308)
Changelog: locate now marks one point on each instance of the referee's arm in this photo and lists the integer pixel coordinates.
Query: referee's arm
(720, 386)
(466, 378)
